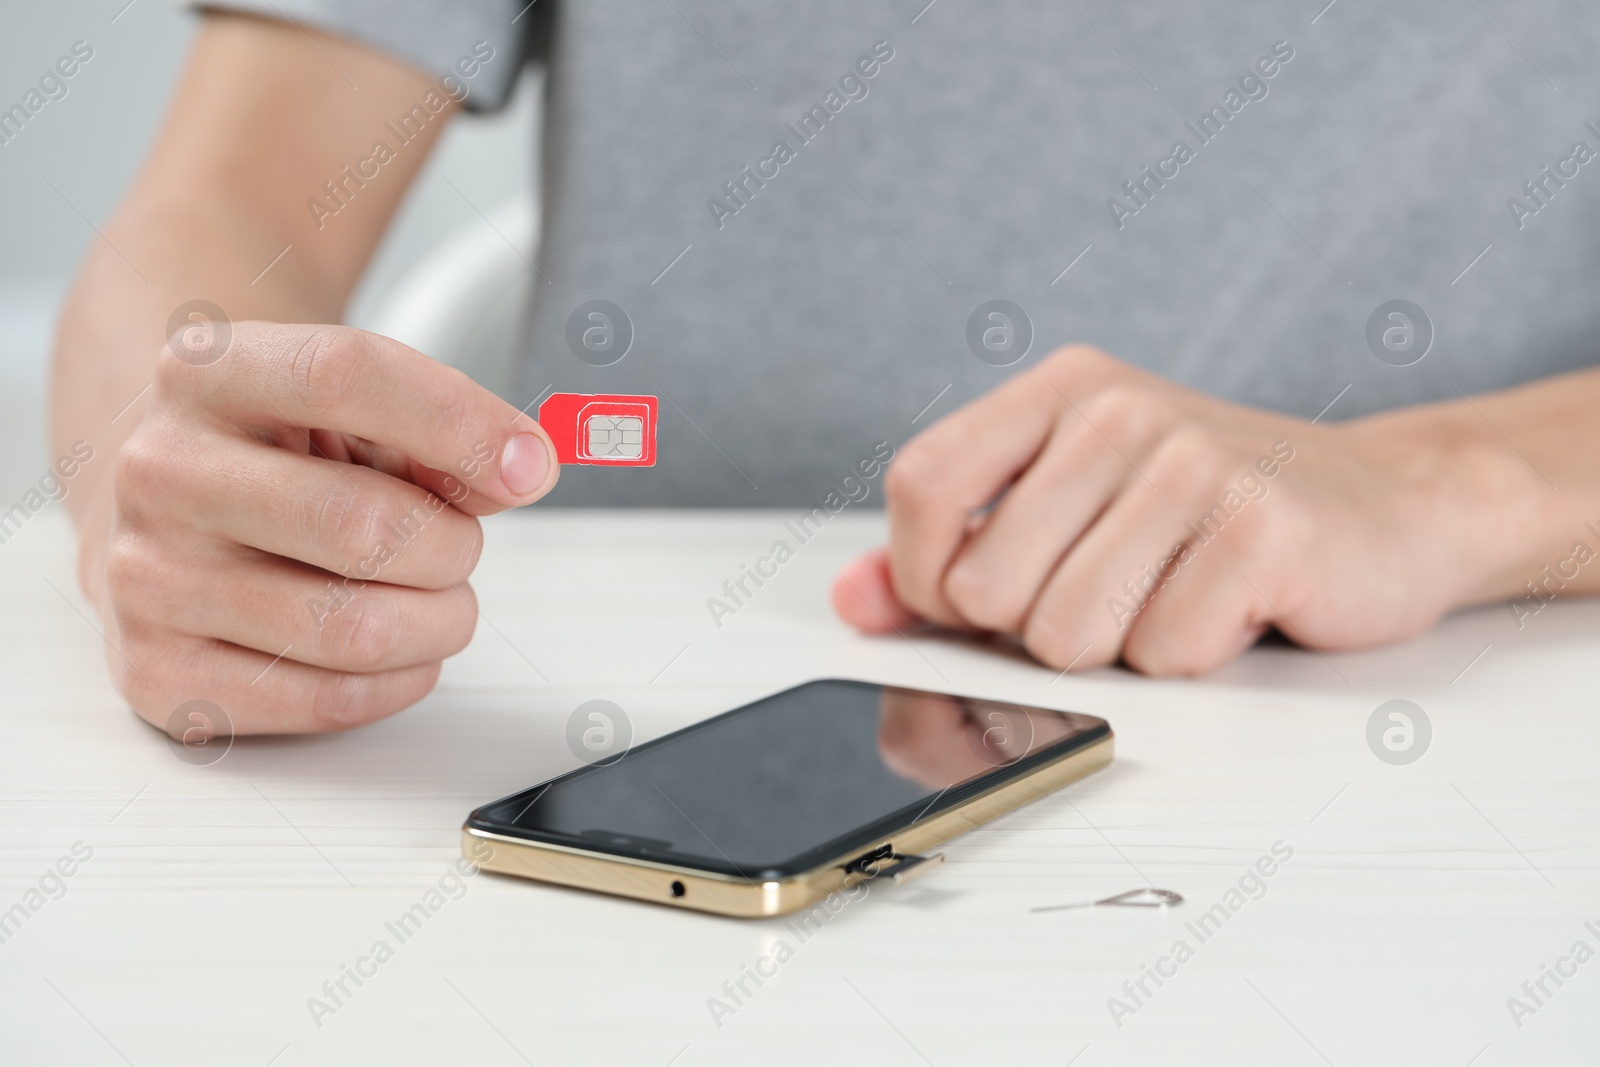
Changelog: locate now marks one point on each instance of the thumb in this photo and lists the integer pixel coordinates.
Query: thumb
(863, 595)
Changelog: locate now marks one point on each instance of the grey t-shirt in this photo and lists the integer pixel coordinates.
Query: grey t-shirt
(804, 211)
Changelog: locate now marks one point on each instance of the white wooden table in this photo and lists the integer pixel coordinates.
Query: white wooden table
(219, 899)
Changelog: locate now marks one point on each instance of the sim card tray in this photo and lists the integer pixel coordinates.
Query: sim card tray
(885, 862)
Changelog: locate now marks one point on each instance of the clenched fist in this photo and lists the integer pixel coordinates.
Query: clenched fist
(1099, 513)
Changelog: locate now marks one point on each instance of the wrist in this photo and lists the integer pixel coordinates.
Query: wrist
(1474, 511)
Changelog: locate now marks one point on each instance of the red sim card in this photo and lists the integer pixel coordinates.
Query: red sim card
(603, 429)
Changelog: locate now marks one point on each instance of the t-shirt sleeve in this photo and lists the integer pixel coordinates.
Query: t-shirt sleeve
(440, 37)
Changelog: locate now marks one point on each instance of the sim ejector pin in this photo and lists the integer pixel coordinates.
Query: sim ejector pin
(1133, 898)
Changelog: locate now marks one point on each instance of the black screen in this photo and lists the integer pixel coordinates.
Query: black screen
(772, 788)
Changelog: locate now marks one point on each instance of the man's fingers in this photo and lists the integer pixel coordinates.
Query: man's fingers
(261, 694)
(1199, 622)
(343, 518)
(964, 461)
(1207, 611)
(1086, 609)
(864, 597)
(447, 486)
(391, 461)
(934, 486)
(337, 378)
(311, 617)
(1005, 564)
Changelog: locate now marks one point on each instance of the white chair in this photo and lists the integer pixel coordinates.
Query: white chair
(466, 302)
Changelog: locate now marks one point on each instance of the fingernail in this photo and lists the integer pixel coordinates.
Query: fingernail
(524, 464)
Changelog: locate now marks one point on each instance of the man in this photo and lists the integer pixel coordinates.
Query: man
(1325, 252)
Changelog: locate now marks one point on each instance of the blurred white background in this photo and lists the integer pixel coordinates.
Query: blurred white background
(90, 144)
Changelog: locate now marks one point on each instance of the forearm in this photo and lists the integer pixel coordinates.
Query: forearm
(1509, 481)
(155, 258)
(264, 127)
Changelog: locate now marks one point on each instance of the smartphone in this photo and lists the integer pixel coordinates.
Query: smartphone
(771, 807)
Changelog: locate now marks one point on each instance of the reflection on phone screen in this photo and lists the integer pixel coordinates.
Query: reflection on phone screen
(757, 789)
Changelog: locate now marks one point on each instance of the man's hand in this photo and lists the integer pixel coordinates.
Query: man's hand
(310, 492)
(291, 527)
(1097, 512)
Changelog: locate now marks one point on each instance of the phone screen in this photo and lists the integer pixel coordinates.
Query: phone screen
(776, 787)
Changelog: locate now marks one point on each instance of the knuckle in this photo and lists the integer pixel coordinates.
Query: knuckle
(467, 624)
(980, 597)
(1252, 535)
(912, 478)
(137, 586)
(1270, 530)
(144, 469)
(1155, 658)
(1046, 640)
(125, 565)
(363, 635)
(1157, 651)
(346, 523)
(461, 415)
(326, 368)
(469, 549)
(171, 373)
(463, 600)
(1124, 411)
(139, 672)
(1188, 455)
(1045, 648)
(341, 700)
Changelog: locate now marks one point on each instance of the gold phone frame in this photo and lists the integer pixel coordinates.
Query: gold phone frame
(729, 895)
